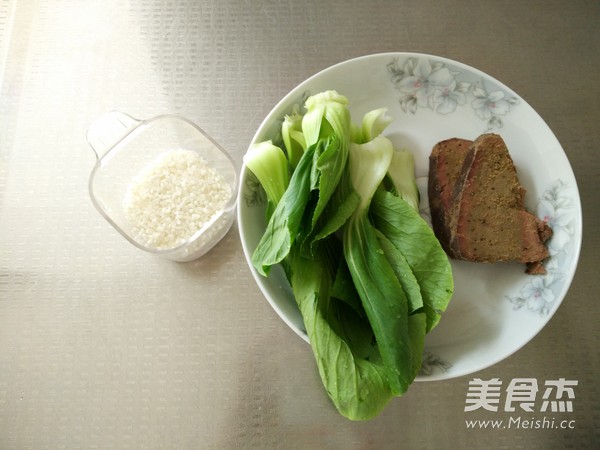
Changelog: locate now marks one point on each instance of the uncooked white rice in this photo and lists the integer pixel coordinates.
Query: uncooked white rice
(173, 197)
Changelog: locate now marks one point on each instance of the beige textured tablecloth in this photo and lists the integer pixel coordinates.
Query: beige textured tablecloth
(104, 346)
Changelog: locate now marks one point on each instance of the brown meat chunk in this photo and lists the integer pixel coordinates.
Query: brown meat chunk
(445, 163)
(484, 219)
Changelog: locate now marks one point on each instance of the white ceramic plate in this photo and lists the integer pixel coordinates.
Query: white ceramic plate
(496, 309)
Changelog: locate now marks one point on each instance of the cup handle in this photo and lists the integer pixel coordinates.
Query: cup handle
(108, 130)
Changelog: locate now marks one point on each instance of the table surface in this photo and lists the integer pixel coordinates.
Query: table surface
(104, 346)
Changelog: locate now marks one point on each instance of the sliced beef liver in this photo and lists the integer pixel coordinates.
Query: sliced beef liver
(484, 219)
(445, 163)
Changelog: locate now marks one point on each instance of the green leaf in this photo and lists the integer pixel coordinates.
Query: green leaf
(284, 224)
(338, 210)
(385, 303)
(413, 237)
(330, 166)
(345, 291)
(403, 272)
(359, 388)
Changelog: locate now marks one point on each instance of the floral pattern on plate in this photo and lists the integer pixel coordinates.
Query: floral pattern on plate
(435, 85)
(432, 364)
(538, 294)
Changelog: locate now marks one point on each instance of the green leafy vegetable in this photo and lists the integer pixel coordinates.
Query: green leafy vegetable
(358, 387)
(327, 118)
(403, 272)
(284, 224)
(269, 164)
(402, 173)
(326, 114)
(368, 275)
(373, 124)
(413, 237)
(293, 138)
(382, 294)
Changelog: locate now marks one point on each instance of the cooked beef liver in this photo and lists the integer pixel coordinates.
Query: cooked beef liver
(477, 204)
(445, 164)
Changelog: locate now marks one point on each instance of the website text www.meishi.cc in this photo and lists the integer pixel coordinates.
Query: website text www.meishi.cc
(532, 423)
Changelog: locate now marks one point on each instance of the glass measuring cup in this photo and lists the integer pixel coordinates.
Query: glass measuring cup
(125, 146)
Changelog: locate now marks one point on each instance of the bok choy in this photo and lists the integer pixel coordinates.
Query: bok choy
(367, 273)
(399, 335)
